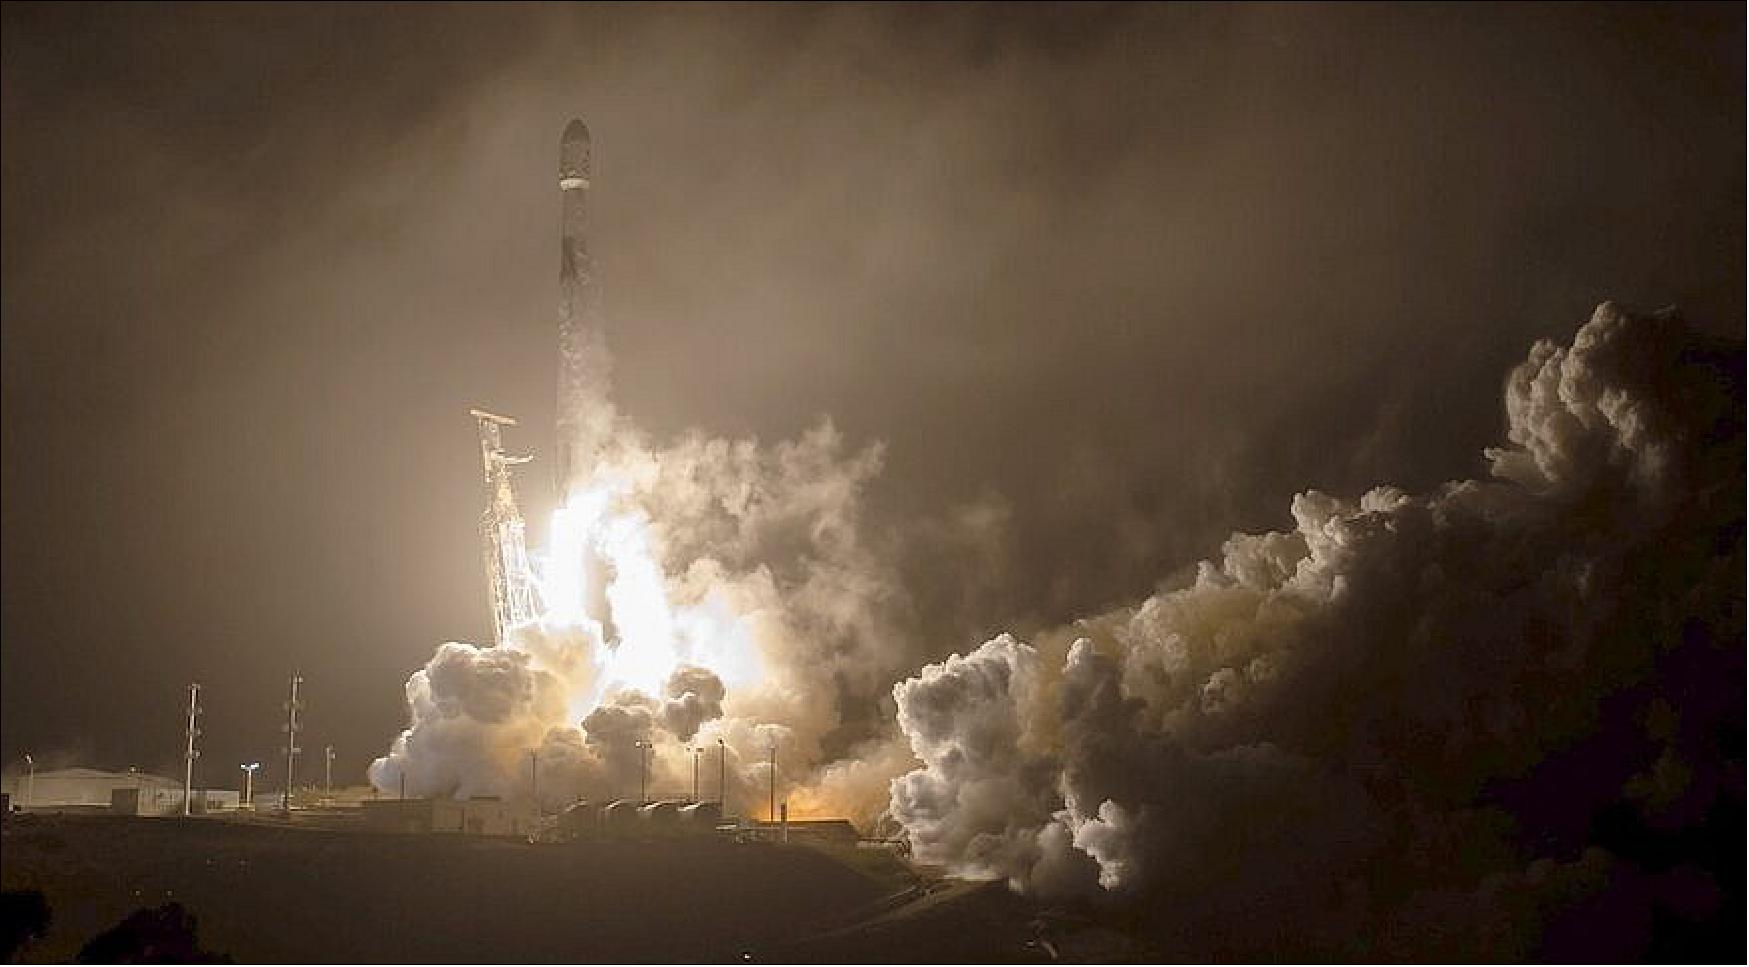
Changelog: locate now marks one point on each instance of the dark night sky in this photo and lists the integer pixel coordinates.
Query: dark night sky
(1140, 273)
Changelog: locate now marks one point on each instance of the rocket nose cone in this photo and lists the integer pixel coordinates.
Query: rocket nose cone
(574, 156)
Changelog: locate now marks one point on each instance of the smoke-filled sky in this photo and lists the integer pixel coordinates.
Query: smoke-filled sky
(1108, 282)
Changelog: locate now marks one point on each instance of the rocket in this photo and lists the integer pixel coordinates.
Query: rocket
(585, 416)
(585, 411)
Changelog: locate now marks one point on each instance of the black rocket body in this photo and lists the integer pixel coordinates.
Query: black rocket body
(585, 416)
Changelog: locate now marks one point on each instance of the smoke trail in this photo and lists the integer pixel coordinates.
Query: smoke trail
(1332, 730)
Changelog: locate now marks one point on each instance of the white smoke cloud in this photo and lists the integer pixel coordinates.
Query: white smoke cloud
(982, 796)
(695, 696)
(1307, 731)
(1313, 728)
(477, 712)
(713, 590)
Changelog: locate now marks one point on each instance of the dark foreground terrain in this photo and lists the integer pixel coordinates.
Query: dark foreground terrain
(261, 892)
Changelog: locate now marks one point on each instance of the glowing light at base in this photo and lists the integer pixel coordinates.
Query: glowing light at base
(603, 573)
(563, 571)
(695, 601)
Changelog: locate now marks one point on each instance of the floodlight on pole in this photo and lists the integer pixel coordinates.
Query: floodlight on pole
(249, 784)
(30, 787)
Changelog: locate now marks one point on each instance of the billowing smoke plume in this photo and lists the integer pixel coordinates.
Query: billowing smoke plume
(713, 590)
(1407, 710)
(695, 696)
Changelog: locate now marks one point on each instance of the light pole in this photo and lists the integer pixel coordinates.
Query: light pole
(190, 753)
(328, 772)
(643, 770)
(771, 804)
(722, 777)
(534, 777)
(249, 784)
(30, 787)
(695, 752)
(291, 742)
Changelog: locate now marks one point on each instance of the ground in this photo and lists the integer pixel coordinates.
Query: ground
(267, 892)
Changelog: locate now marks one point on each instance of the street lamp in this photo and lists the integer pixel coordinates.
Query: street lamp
(643, 770)
(534, 777)
(30, 788)
(722, 777)
(249, 783)
(695, 753)
(328, 772)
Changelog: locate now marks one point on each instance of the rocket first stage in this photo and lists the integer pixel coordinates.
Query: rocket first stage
(585, 417)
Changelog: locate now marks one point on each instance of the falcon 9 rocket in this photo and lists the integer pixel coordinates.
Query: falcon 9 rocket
(585, 417)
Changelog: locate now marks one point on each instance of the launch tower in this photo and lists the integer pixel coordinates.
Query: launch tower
(509, 576)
